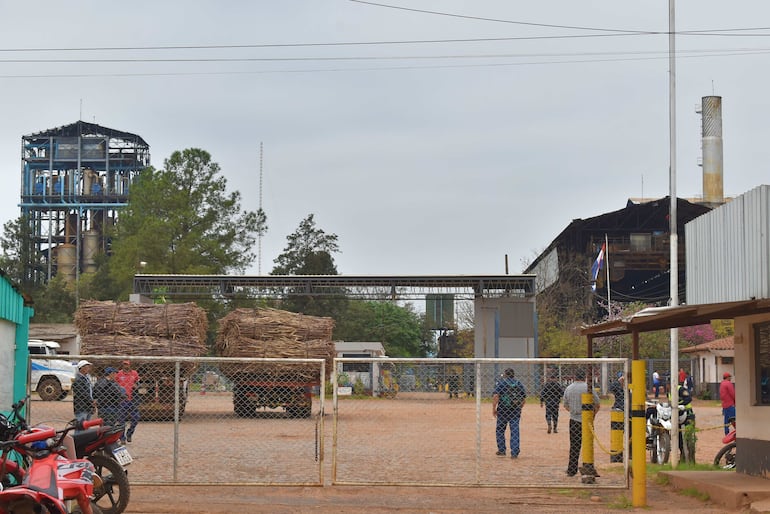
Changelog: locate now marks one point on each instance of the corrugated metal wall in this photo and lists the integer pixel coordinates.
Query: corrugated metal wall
(728, 250)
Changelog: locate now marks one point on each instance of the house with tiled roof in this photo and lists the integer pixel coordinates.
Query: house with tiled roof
(709, 361)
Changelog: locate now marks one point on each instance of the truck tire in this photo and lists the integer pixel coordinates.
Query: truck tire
(298, 411)
(49, 389)
(241, 405)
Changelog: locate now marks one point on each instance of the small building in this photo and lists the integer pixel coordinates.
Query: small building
(369, 373)
(63, 333)
(15, 312)
(709, 361)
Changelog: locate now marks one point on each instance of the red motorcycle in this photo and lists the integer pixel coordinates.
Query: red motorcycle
(725, 458)
(51, 483)
(98, 443)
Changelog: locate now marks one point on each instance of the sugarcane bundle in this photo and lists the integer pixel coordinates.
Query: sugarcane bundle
(274, 334)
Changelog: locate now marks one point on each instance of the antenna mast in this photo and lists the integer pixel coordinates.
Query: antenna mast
(259, 237)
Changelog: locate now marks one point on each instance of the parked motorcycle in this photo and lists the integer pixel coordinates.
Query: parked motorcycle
(725, 458)
(52, 483)
(98, 443)
(659, 429)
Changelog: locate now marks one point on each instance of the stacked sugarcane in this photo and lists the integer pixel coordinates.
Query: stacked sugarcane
(137, 329)
(275, 334)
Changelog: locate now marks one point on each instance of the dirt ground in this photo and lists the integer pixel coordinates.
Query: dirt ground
(209, 422)
(382, 500)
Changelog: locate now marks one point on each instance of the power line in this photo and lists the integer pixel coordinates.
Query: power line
(550, 25)
(710, 52)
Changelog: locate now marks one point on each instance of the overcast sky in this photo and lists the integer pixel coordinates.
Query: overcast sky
(432, 136)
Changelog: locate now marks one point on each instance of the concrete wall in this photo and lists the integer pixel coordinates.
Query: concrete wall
(505, 328)
(752, 419)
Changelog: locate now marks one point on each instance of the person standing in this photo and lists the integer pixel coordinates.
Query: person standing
(573, 402)
(656, 382)
(127, 378)
(682, 375)
(83, 403)
(617, 389)
(507, 401)
(550, 396)
(727, 395)
(109, 398)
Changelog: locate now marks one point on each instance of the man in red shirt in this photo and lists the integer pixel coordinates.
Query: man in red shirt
(727, 395)
(127, 378)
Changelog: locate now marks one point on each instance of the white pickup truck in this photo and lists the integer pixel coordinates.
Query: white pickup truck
(50, 378)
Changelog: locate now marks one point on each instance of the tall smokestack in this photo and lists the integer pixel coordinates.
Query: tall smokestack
(711, 122)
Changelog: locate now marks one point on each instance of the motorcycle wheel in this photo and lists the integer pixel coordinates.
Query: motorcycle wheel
(725, 459)
(112, 496)
(662, 448)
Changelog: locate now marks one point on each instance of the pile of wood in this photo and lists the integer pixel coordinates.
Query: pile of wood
(123, 328)
(274, 334)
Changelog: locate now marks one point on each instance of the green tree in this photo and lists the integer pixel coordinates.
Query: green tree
(309, 251)
(55, 302)
(182, 220)
(399, 328)
(15, 259)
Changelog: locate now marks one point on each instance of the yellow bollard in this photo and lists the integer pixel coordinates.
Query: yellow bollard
(588, 471)
(616, 436)
(638, 428)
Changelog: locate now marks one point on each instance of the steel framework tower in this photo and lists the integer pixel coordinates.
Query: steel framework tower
(74, 180)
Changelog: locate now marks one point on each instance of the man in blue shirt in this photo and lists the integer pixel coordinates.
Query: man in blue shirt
(507, 400)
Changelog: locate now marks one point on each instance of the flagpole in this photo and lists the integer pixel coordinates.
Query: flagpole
(607, 259)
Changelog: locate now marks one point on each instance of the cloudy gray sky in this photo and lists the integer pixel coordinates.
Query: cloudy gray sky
(432, 136)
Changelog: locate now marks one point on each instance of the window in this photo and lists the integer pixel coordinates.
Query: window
(361, 367)
(727, 360)
(762, 362)
(641, 242)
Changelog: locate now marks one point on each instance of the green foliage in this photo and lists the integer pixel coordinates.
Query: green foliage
(54, 303)
(304, 251)
(181, 220)
(309, 251)
(358, 388)
(343, 379)
(16, 246)
(400, 329)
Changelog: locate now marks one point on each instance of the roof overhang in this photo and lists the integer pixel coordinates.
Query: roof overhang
(661, 318)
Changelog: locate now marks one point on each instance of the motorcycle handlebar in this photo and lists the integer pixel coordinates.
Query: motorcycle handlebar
(36, 435)
(91, 423)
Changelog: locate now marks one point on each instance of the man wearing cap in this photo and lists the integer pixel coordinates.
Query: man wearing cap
(83, 392)
(727, 395)
(128, 378)
(109, 398)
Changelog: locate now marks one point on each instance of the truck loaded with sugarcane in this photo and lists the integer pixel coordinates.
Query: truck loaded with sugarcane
(130, 329)
(275, 335)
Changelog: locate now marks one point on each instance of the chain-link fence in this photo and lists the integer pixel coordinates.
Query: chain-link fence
(431, 422)
(207, 420)
(393, 421)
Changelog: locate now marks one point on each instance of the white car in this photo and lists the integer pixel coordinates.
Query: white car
(50, 378)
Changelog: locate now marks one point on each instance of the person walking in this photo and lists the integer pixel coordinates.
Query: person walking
(656, 382)
(127, 378)
(83, 403)
(109, 398)
(727, 395)
(550, 397)
(573, 402)
(507, 401)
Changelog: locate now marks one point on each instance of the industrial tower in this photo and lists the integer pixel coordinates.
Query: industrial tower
(74, 180)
